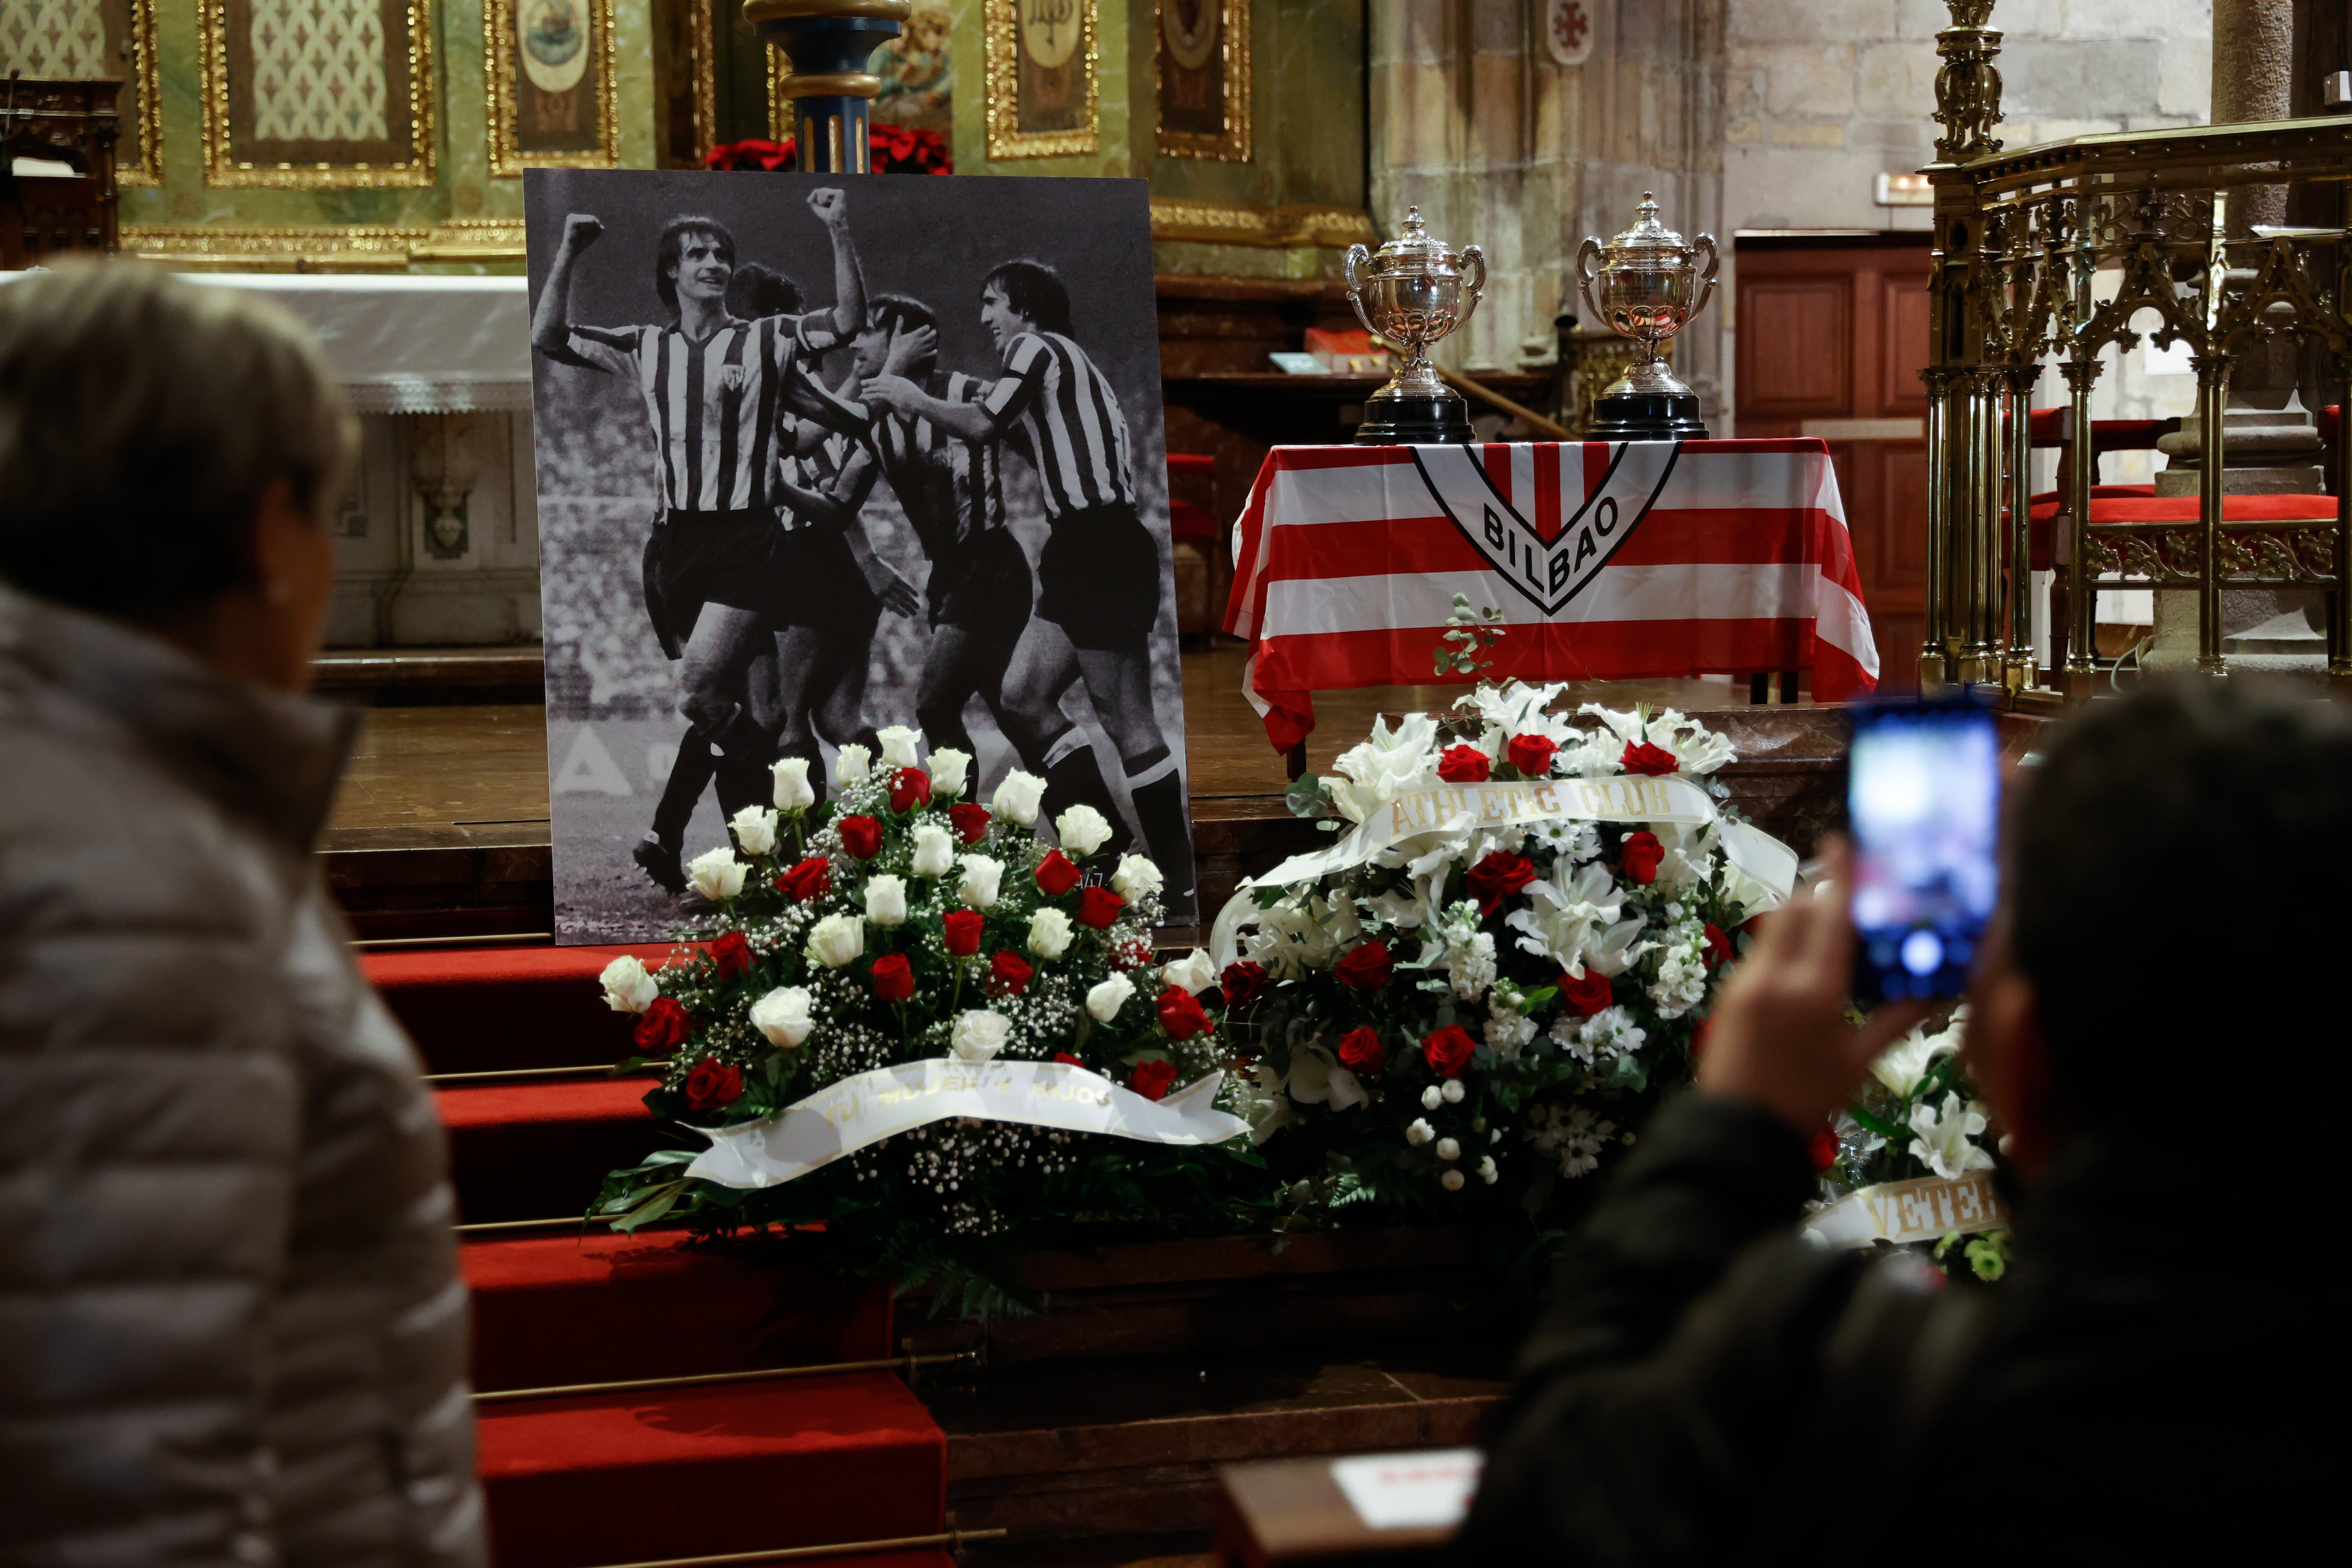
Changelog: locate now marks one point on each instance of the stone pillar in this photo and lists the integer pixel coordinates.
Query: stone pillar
(2270, 443)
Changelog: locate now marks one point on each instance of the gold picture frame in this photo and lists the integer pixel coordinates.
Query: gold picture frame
(503, 70)
(1015, 75)
(146, 127)
(234, 155)
(1225, 136)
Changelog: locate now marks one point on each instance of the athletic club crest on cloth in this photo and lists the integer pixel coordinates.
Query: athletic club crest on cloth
(1548, 517)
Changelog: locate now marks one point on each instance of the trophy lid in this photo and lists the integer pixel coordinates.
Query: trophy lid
(1414, 249)
(1648, 236)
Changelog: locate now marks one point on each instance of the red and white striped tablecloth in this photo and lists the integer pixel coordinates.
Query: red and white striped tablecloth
(1610, 561)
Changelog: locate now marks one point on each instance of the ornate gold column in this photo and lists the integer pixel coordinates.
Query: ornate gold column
(2081, 678)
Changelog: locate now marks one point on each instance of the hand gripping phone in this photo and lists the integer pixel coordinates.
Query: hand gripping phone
(1923, 805)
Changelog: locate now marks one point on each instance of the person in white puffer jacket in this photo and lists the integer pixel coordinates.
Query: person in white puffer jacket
(231, 1326)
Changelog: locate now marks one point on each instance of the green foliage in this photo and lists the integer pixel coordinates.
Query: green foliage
(1470, 634)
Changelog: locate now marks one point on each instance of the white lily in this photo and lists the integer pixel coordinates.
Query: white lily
(1906, 1062)
(1940, 1137)
(1573, 919)
(1696, 748)
(1380, 769)
(1317, 1078)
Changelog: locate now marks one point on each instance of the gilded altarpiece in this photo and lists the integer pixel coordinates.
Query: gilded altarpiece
(317, 92)
(1201, 60)
(82, 40)
(548, 69)
(1042, 67)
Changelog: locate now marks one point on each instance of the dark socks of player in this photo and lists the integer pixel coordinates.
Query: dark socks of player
(743, 779)
(690, 775)
(1159, 808)
(1077, 779)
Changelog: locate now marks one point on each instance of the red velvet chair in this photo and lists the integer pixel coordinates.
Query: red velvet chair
(1196, 523)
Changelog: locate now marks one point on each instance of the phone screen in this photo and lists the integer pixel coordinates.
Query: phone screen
(1923, 800)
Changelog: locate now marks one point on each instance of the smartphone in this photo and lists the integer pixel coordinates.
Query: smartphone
(1923, 805)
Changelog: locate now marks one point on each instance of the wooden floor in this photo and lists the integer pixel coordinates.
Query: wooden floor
(429, 776)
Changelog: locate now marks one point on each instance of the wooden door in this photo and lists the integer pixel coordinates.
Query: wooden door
(1831, 335)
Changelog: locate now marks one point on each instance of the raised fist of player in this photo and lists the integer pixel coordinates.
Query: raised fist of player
(581, 231)
(831, 206)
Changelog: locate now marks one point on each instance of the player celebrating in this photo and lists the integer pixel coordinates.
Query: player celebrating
(719, 391)
(1099, 579)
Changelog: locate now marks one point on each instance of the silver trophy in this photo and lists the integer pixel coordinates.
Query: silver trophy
(1413, 291)
(1650, 283)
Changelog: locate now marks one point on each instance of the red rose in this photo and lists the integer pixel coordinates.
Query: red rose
(1448, 1051)
(1718, 946)
(664, 1026)
(1181, 1015)
(1362, 1053)
(971, 822)
(732, 955)
(1365, 967)
(1640, 855)
(1067, 1057)
(1056, 875)
(1823, 1147)
(962, 931)
(1152, 1080)
(894, 978)
(1098, 907)
(1531, 754)
(1497, 878)
(1587, 995)
(1241, 983)
(1463, 765)
(862, 836)
(1007, 973)
(712, 1084)
(811, 878)
(909, 787)
(1645, 758)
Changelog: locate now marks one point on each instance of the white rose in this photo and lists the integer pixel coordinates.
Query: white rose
(1487, 1172)
(755, 829)
(934, 850)
(1105, 1000)
(1447, 1149)
(1453, 1090)
(717, 875)
(983, 876)
(978, 1035)
(629, 985)
(950, 770)
(1193, 972)
(1017, 798)
(1420, 1133)
(1134, 876)
(899, 746)
(852, 765)
(1082, 830)
(837, 940)
(1451, 1181)
(1049, 933)
(1429, 1098)
(782, 1016)
(792, 791)
(885, 900)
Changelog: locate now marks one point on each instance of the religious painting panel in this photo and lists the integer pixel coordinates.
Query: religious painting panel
(1041, 67)
(317, 92)
(915, 68)
(84, 40)
(1200, 53)
(548, 73)
(819, 458)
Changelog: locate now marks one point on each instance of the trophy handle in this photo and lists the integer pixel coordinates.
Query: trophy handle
(1475, 258)
(1589, 251)
(1706, 278)
(1356, 255)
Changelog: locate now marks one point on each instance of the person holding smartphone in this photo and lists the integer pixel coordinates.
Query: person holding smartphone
(2150, 1379)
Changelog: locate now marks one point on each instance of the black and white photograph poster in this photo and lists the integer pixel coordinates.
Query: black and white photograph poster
(823, 461)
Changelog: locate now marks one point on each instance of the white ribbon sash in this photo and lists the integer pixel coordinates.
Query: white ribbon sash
(1763, 869)
(1925, 1208)
(872, 1106)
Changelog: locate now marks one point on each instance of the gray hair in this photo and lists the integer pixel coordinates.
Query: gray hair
(143, 418)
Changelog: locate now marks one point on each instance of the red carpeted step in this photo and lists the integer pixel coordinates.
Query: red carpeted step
(600, 1307)
(572, 1483)
(480, 1009)
(537, 1150)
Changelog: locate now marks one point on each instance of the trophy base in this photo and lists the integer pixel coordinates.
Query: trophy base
(1415, 420)
(1645, 416)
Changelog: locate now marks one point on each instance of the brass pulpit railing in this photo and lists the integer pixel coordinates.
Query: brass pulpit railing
(2019, 237)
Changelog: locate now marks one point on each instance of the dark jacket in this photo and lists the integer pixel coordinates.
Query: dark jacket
(2157, 1379)
(231, 1326)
